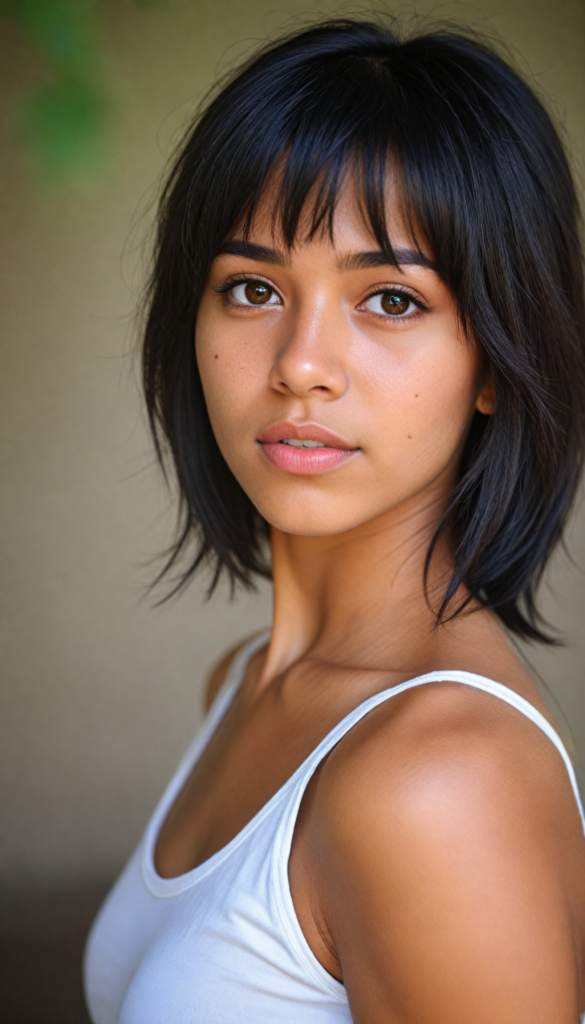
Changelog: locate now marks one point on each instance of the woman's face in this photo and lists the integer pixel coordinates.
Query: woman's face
(330, 345)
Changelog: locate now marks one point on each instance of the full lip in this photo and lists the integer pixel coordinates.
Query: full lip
(284, 429)
(333, 451)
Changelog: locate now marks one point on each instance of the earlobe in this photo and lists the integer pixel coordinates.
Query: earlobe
(486, 399)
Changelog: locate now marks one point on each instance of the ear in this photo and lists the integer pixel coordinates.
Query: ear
(486, 399)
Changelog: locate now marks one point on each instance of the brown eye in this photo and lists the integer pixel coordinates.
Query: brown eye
(257, 293)
(253, 293)
(394, 303)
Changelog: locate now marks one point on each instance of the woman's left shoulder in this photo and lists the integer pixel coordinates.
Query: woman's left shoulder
(449, 861)
(447, 759)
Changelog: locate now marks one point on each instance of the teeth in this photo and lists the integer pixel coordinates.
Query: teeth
(302, 444)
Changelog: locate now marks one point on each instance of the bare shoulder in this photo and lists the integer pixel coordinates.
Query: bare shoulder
(220, 669)
(448, 744)
(449, 846)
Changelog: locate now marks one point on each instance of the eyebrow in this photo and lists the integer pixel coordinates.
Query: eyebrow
(401, 257)
(251, 251)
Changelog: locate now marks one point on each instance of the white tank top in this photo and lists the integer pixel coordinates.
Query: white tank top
(222, 944)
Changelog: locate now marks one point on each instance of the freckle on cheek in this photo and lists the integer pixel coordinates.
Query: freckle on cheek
(410, 436)
(215, 357)
(416, 396)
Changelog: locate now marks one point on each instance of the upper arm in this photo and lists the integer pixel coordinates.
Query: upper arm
(442, 887)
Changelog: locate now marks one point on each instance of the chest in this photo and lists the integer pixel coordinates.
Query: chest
(249, 758)
(217, 944)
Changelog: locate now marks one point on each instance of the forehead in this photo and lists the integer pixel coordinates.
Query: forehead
(338, 219)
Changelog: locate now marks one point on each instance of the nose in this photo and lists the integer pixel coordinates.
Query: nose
(309, 360)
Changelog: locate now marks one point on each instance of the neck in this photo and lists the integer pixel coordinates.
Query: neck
(356, 596)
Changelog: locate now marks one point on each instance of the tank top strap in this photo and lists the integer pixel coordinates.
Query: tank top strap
(466, 678)
(300, 779)
(298, 783)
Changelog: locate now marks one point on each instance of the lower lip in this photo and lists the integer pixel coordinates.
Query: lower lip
(305, 461)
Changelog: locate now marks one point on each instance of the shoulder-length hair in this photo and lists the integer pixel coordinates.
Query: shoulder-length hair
(485, 180)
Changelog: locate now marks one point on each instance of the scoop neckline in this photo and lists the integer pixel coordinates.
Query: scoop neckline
(160, 886)
(157, 884)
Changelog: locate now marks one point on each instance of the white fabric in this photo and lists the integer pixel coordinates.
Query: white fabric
(222, 944)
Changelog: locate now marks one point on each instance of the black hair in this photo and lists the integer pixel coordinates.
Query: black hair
(486, 182)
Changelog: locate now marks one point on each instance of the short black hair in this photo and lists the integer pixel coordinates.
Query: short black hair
(485, 179)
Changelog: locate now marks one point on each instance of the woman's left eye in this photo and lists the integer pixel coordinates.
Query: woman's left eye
(391, 303)
(254, 293)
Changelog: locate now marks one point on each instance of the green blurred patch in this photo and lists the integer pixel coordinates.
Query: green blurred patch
(65, 31)
(63, 126)
(63, 122)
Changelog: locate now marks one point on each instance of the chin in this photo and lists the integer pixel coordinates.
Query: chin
(304, 527)
(302, 518)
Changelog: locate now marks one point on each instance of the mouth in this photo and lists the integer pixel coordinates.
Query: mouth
(304, 449)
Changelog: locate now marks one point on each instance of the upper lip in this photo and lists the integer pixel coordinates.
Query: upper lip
(303, 432)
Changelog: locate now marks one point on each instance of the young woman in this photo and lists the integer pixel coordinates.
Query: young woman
(365, 354)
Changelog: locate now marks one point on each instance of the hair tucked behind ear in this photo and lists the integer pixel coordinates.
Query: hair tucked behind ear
(485, 180)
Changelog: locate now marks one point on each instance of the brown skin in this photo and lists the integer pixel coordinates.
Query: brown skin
(438, 863)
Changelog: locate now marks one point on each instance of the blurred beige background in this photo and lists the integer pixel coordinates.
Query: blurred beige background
(100, 693)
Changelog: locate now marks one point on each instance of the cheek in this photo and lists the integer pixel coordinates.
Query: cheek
(229, 374)
(420, 400)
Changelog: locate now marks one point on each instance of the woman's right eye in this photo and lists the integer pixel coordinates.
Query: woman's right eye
(254, 293)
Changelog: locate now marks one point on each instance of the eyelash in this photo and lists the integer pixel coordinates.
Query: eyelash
(394, 289)
(226, 287)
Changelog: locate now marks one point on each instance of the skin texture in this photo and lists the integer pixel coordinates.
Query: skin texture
(438, 860)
